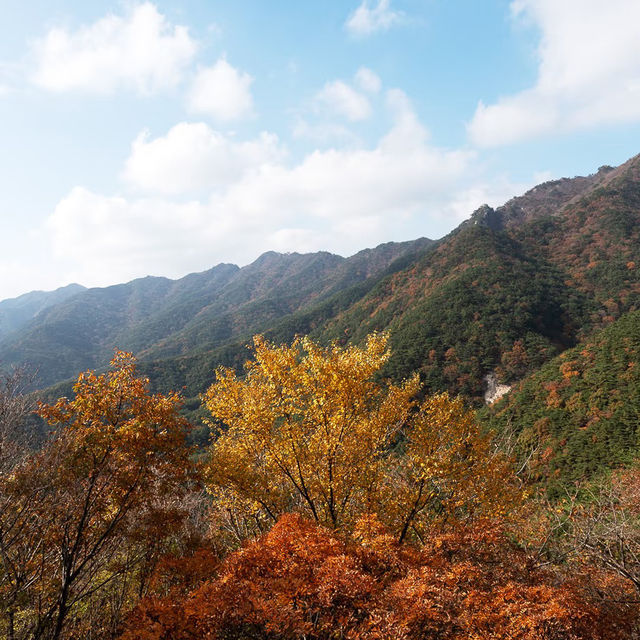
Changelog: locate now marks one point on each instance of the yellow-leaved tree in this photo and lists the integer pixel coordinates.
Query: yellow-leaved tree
(310, 429)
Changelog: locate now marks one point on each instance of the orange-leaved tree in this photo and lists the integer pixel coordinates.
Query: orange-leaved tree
(310, 429)
(98, 498)
(301, 581)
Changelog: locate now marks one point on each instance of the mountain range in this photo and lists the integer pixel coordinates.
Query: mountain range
(71, 329)
(503, 296)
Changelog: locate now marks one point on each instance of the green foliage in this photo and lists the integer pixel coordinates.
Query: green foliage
(579, 414)
(484, 294)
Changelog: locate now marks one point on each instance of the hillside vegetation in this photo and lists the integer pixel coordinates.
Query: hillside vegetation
(580, 413)
(329, 504)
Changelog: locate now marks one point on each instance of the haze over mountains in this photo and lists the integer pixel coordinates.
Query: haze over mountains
(504, 293)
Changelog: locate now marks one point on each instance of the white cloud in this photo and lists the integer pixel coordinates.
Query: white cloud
(221, 92)
(338, 98)
(322, 133)
(140, 50)
(192, 157)
(588, 74)
(366, 20)
(368, 80)
(340, 200)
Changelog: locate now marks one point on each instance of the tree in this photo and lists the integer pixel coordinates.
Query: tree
(446, 469)
(98, 496)
(20, 545)
(605, 526)
(309, 429)
(15, 406)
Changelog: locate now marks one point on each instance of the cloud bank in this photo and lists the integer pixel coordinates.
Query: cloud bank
(338, 199)
(588, 72)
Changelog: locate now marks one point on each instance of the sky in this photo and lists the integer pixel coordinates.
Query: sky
(162, 138)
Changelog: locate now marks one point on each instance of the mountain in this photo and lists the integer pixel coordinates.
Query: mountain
(455, 312)
(505, 292)
(511, 287)
(15, 313)
(159, 318)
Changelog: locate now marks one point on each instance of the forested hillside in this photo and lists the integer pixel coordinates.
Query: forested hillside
(15, 313)
(579, 414)
(455, 314)
(159, 318)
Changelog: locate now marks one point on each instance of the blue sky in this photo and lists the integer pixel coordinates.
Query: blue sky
(165, 137)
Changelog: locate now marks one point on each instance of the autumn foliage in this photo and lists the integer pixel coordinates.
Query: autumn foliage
(84, 519)
(309, 429)
(302, 581)
(337, 505)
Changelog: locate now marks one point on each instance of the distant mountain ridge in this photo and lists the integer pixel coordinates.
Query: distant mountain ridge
(15, 313)
(159, 318)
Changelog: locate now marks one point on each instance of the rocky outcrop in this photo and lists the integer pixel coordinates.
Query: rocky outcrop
(493, 390)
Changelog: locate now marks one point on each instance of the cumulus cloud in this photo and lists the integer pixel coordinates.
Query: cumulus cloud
(340, 200)
(588, 73)
(322, 133)
(368, 80)
(222, 92)
(338, 98)
(140, 50)
(192, 157)
(366, 20)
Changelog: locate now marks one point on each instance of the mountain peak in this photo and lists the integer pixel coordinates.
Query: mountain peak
(486, 216)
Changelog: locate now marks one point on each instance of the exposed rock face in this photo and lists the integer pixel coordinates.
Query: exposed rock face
(488, 217)
(493, 389)
(549, 198)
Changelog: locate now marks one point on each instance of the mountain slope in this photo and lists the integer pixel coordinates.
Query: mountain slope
(455, 313)
(15, 313)
(580, 413)
(511, 287)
